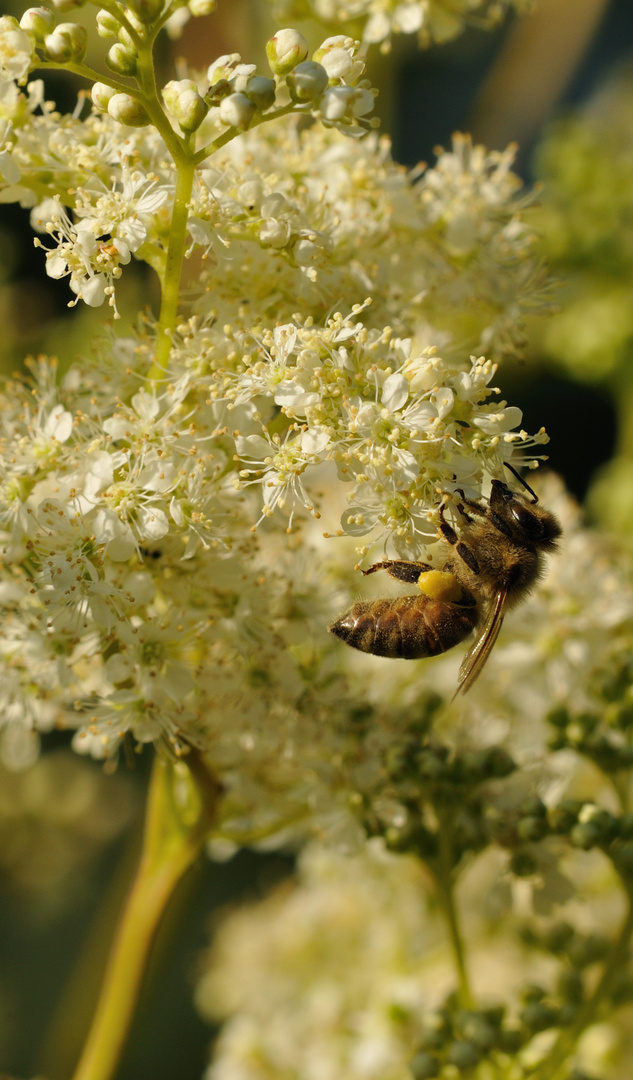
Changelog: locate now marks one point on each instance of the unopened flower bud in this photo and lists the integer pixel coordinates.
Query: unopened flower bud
(202, 7)
(274, 233)
(67, 5)
(237, 110)
(38, 21)
(107, 25)
(127, 110)
(101, 95)
(285, 50)
(274, 205)
(124, 35)
(183, 102)
(307, 81)
(306, 252)
(424, 1066)
(68, 41)
(120, 59)
(261, 91)
(146, 10)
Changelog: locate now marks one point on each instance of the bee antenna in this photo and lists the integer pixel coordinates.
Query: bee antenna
(521, 481)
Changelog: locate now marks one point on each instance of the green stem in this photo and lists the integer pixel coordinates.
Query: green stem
(173, 269)
(173, 839)
(588, 1014)
(231, 133)
(444, 877)
(86, 72)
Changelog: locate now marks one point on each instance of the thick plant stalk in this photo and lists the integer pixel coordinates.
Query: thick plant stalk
(179, 814)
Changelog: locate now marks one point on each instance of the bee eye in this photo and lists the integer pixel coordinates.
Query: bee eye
(529, 524)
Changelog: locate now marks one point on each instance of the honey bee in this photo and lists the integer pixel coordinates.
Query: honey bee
(488, 568)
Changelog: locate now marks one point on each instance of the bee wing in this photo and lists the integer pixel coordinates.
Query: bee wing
(480, 650)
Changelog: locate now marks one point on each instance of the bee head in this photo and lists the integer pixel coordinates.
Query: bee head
(528, 523)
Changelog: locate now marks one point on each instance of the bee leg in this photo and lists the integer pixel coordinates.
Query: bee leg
(447, 530)
(473, 506)
(400, 569)
(465, 553)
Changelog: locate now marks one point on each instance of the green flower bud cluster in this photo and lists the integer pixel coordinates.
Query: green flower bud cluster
(540, 1011)
(561, 940)
(589, 826)
(436, 785)
(577, 952)
(516, 830)
(122, 107)
(586, 826)
(612, 684)
(454, 1041)
(581, 733)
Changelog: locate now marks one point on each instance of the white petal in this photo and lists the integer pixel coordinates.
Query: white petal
(253, 446)
(395, 392)
(145, 405)
(91, 290)
(152, 522)
(175, 510)
(59, 424)
(443, 401)
(314, 442)
(9, 168)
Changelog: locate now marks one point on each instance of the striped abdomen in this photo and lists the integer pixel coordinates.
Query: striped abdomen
(408, 627)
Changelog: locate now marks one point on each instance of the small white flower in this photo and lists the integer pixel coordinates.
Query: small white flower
(16, 51)
(278, 467)
(345, 103)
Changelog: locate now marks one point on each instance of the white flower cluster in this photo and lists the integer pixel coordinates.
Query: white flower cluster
(401, 425)
(122, 521)
(431, 20)
(283, 217)
(445, 250)
(327, 979)
(159, 579)
(137, 599)
(16, 53)
(99, 210)
(347, 972)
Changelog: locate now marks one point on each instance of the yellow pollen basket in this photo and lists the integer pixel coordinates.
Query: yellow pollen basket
(440, 585)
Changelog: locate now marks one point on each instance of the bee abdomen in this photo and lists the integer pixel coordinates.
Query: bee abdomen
(408, 627)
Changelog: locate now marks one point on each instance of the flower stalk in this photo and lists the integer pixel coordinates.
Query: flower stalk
(170, 292)
(445, 880)
(179, 814)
